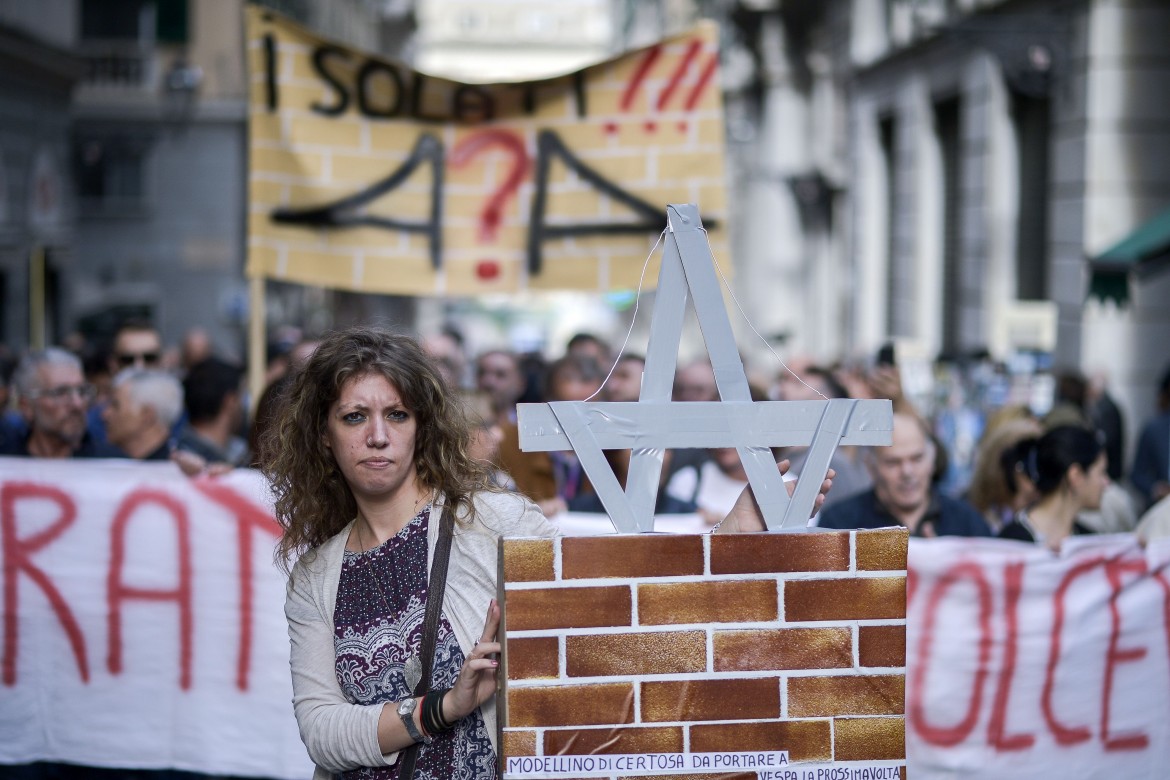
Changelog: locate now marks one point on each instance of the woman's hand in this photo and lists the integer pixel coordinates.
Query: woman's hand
(886, 382)
(551, 507)
(477, 679)
(746, 515)
(196, 466)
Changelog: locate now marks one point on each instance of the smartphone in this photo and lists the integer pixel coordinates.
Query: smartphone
(885, 355)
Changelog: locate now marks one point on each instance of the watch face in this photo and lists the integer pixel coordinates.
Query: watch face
(406, 706)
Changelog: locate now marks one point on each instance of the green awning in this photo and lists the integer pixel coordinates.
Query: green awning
(1143, 251)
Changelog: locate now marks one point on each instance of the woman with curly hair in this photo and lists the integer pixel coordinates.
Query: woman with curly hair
(370, 467)
(369, 448)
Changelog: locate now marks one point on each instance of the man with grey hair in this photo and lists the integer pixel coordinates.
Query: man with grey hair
(143, 408)
(53, 397)
(903, 493)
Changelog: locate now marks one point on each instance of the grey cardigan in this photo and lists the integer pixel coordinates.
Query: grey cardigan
(340, 735)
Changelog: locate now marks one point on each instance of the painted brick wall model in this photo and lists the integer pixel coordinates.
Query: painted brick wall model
(671, 644)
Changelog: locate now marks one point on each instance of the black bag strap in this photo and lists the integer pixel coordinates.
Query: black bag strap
(435, 590)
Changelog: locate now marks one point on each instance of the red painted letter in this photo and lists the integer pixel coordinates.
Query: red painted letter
(1064, 734)
(942, 735)
(1013, 577)
(1136, 741)
(17, 558)
(1159, 575)
(249, 518)
(117, 591)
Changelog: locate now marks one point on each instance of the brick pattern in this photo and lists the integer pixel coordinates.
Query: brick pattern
(664, 643)
(657, 132)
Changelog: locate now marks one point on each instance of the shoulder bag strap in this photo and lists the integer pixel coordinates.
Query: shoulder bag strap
(435, 589)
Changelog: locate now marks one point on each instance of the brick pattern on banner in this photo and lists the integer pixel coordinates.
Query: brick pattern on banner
(741, 643)
(367, 175)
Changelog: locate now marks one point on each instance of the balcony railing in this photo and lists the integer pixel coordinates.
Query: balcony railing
(119, 64)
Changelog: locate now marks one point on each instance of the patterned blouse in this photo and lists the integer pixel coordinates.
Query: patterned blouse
(378, 625)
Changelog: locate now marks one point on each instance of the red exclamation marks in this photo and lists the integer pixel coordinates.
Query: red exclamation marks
(639, 76)
(689, 59)
(697, 90)
(676, 77)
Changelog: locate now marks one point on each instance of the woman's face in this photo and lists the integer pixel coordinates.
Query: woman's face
(371, 434)
(1093, 483)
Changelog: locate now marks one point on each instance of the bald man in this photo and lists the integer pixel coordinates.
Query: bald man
(902, 492)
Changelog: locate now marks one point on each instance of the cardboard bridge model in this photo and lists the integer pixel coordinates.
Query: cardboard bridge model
(769, 656)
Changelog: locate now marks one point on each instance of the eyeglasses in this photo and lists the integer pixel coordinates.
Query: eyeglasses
(84, 393)
(126, 359)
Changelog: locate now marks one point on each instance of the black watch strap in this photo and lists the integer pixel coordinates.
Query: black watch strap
(406, 709)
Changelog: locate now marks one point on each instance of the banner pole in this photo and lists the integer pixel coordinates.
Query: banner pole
(36, 297)
(256, 341)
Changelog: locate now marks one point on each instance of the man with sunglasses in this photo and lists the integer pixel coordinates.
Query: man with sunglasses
(136, 345)
(53, 397)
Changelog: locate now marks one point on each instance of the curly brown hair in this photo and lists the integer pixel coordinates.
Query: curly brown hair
(313, 502)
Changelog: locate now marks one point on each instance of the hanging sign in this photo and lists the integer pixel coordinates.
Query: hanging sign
(368, 175)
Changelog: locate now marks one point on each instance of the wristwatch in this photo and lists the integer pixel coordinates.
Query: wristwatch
(406, 709)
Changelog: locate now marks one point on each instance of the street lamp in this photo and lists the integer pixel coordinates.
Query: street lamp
(180, 87)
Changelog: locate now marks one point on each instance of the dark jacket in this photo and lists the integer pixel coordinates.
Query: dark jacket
(1021, 532)
(90, 448)
(1151, 462)
(949, 516)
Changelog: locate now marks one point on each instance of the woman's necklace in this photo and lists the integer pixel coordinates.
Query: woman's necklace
(411, 668)
(414, 513)
(1047, 530)
(1023, 519)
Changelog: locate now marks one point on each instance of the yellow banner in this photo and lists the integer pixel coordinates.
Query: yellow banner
(367, 175)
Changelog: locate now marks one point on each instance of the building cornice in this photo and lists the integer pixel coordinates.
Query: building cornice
(25, 57)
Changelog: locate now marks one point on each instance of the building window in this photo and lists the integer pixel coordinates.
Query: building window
(1031, 119)
(111, 175)
(895, 284)
(948, 132)
(112, 20)
(117, 42)
(170, 24)
(134, 20)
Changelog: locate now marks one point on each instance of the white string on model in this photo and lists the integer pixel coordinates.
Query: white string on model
(637, 301)
(742, 313)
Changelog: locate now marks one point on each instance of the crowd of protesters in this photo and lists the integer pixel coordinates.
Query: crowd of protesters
(1033, 478)
(1062, 470)
(132, 401)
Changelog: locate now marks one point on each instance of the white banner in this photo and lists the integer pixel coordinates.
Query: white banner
(142, 625)
(1022, 664)
(143, 622)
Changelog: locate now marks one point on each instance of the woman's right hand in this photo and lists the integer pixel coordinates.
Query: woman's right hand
(477, 677)
(551, 507)
(746, 515)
